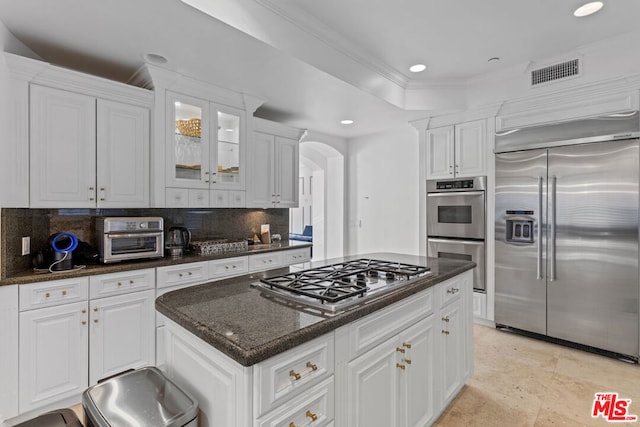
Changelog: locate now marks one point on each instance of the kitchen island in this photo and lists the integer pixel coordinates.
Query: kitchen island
(251, 359)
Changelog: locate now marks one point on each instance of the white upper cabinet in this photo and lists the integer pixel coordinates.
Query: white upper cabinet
(457, 151)
(87, 152)
(205, 151)
(274, 166)
(72, 140)
(63, 148)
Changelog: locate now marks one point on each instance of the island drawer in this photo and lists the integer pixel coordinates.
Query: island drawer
(282, 377)
(228, 267)
(183, 274)
(266, 261)
(449, 290)
(296, 256)
(372, 330)
(121, 283)
(53, 292)
(313, 407)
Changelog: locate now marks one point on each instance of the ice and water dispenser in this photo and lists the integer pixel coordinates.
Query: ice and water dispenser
(519, 226)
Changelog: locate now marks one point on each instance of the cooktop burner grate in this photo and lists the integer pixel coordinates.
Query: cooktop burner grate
(337, 282)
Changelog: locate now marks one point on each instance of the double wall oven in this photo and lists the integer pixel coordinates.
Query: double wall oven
(456, 222)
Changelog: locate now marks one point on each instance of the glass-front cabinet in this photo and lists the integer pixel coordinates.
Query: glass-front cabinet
(205, 145)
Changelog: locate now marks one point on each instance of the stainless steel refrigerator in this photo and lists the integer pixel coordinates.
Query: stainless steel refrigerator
(566, 249)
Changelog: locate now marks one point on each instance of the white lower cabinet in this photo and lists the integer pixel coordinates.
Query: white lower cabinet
(9, 337)
(122, 334)
(68, 342)
(54, 357)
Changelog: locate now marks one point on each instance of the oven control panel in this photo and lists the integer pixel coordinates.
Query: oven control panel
(466, 184)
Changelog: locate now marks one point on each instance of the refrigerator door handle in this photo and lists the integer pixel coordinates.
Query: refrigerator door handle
(539, 248)
(552, 231)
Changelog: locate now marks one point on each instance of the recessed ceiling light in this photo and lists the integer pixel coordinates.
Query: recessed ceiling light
(588, 9)
(417, 68)
(346, 122)
(154, 58)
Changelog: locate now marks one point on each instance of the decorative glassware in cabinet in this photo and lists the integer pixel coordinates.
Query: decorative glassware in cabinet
(188, 146)
(228, 168)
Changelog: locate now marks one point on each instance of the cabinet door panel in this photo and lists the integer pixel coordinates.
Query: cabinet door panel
(453, 359)
(470, 149)
(123, 155)
(287, 159)
(262, 186)
(227, 159)
(54, 358)
(440, 152)
(372, 387)
(418, 387)
(63, 148)
(122, 334)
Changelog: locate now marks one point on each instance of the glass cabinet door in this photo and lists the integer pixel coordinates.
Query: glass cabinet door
(189, 142)
(228, 157)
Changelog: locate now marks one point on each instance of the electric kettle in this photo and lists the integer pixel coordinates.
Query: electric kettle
(177, 241)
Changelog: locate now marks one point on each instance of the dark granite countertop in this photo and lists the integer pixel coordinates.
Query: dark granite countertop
(235, 318)
(29, 276)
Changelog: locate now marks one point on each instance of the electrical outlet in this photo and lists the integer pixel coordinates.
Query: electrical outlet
(26, 245)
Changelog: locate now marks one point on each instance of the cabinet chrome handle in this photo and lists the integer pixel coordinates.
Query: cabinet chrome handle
(311, 415)
(445, 332)
(295, 375)
(400, 350)
(445, 319)
(313, 366)
(407, 345)
(398, 365)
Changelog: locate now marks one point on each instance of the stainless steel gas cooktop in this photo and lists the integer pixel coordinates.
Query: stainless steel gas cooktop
(337, 287)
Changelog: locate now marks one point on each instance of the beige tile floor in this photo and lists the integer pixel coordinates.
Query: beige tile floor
(521, 381)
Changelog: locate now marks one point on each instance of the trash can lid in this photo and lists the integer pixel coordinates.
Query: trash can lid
(144, 397)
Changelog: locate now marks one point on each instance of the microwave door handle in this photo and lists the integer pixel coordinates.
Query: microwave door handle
(128, 235)
(539, 248)
(552, 231)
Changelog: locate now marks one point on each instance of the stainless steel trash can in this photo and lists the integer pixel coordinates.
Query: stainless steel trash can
(143, 397)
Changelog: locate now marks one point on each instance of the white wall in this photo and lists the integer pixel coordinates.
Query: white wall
(382, 188)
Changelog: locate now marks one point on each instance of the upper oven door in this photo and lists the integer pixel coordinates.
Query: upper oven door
(456, 214)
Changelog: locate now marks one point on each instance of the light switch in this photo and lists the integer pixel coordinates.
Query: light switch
(26, 245)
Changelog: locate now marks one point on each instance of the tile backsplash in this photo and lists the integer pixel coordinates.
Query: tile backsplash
(204, 224)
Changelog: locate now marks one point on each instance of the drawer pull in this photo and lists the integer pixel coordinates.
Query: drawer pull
(47, 295)
(131, 282)
(407, 345)
(95, 309)
(311, 415)
(119, 283)
(295, 375)
(445, 319)
(453, 290)
(84, 311)
(407, 361)
(400, 350)
(398, 365)
(312, 366)
(180, 275)
(445, 332)
(95, 320)
(190, 273)
(226, 267)
(84, 322)
(292, 425)
(64, 293)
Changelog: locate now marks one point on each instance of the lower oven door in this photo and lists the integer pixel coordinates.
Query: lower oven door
(468, 250)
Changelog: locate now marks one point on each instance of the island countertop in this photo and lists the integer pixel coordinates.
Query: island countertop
(249, 327)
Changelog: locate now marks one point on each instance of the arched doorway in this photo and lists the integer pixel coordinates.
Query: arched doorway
(322, 195)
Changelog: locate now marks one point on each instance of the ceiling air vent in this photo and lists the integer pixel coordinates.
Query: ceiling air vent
(555, 72)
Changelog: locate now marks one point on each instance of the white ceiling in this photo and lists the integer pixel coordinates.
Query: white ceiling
(315, 62)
